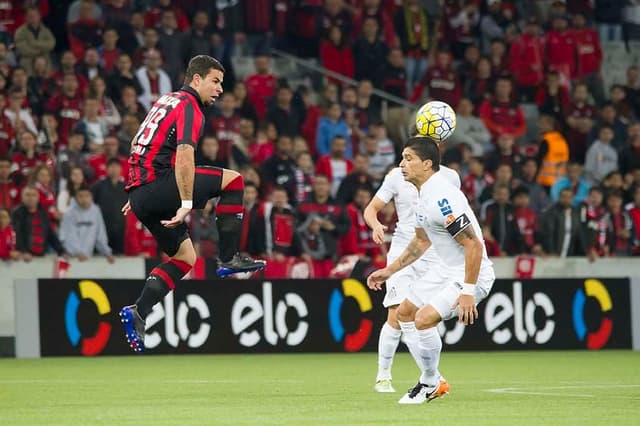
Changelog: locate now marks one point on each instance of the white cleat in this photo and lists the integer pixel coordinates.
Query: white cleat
(416, 395)
(384, 386)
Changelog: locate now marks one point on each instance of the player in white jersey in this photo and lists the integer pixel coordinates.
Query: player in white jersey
(405, 196)
(445, 220)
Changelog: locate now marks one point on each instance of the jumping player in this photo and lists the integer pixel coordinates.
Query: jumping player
(444, 219)
(164, 186)
(405, 196)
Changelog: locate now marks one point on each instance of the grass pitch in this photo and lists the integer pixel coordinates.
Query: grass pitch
(498, 388)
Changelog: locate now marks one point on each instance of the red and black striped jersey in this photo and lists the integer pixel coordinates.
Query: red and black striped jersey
(174, 119)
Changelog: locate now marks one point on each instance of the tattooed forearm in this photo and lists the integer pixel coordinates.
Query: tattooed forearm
(185, 169)
(466, 234)
(414, 250)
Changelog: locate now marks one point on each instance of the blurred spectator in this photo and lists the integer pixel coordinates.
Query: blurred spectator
(243, 107)
(490, 243)
(336, 54)
(33, 39)
(151, 41)
(634, 213)
(34, 234)
(323, 224)
(359, 240)
(198, 38)
(476, 182)
(283, 115)
(498, 58)
(280, 220)
(107, 110)
(66, 107)
(253, 239)
(153, 16)
(416, 31)
(108, 151)
(90, 66)
(280, 169)
(40, 85)
(593, 225)
(573, 181)
(92, 126)
(620, 225)
(369, 53)
(25, 158)
(552, 98)
(539, 199)
(381, 13)
(305, 171)
(117, 16)
(311, 118)
(480, 85)
(261, 85)
(608, 14)
(470, 130)
(501, 114)
(466, 68)
(122, 76)
(601, 157)
(172, 42)
(67, 193)
(553, 153)
(73, 13)
(138, 240)
(359, 177)
(130, 105)
(41, 177)
(629, 158)
(367, 109)
(579, 118)
(154, 80)
(260, 146)
(48, 138)
(335, 14)
(109, 195)
(561, 50)
(505, 153)
(380, 154)
(9, 190)
(136, 21)
(499, 214)
(72, 155)
(208, 153)
(6, 129)
(492, 24)
(612, 182)
(624, 109)
(108, 51)
(225, 126)
(204, 232)
(394, 75)
(7, 237)
(19, 116)
(68, 65)
(85, 32)
(7, 59)
(440, 80)
(527, 220)
(527, 60)
(335, 165)
(504, 177)
(632, 86)
(329, 128)
(128, 130)
(83, 231)
(560, 228)
(460, 26)
(19, 79)
(609, 117)
(589, 57)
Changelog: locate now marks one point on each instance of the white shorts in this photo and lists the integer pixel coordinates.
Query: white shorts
(444, 295)
(397, 286)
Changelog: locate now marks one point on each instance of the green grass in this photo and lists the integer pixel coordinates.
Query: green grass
(501, 388)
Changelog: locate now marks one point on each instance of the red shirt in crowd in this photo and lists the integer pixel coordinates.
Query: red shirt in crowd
(137, 238)
(472, 187)
(260, 87)
(359, 240)
(12, 13)
(260, 152)
(502, 117)
(527, 60)
(578, 141)
(561, 53)
(324, 167)
(528, 224)
(7, 242)
(9, 194)
(441, 83)
(337, 59)
(589, 53)
(68, 112)
(48, 202)
(153, 16)
(22, 164)
(98, 162)
(227, 131)
(6, 134)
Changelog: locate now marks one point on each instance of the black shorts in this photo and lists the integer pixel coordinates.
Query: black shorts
(160, 199)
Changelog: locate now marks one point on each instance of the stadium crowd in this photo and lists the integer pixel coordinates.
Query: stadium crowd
(75, 86)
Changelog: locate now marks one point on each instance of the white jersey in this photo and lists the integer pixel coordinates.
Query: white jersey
(405, 197)
(443, 211)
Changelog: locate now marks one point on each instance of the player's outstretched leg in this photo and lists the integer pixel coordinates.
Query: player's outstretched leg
(229, 223)
(387, 345)
(161, 280)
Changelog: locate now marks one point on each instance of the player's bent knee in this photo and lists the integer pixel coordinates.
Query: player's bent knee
(186, 253)
(427, 317)
(406, 311)
(231, 176)
(392, 317)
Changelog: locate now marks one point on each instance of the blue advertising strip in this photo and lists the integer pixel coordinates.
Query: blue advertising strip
(79, 317)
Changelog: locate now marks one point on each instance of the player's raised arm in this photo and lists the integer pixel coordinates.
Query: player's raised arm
(464, 234)
(414, 250)
(371, 217)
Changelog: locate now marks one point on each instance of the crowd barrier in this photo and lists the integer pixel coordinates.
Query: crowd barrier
(79, 317)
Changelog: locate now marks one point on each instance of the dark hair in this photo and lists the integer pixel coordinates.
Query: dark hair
(595, 189)
(70, 187)
(615, 193)
(201, 65)
(5, 158)
(426, 149)
(521, 190)
(114, 160)
(250, 183)
(83, 187)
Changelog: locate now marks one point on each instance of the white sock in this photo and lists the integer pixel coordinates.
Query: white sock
(387, 345)
(430, 346)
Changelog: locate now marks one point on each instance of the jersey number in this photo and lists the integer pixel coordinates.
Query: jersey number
(147, 129)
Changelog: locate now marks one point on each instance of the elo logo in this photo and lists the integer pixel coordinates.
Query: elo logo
(91, 345)
(352, 341)
(595, 339)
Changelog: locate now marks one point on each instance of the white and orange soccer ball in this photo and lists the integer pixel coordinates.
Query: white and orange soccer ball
(436, 120)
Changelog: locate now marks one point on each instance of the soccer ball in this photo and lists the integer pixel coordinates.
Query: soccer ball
(436, 120)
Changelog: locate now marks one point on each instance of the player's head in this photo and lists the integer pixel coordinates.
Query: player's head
(420, 160)
(205, 74)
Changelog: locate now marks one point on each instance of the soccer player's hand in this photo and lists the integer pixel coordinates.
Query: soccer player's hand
(377, 278)
(378, 233)
(468, 311)
(126, 208)
(181, 214)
